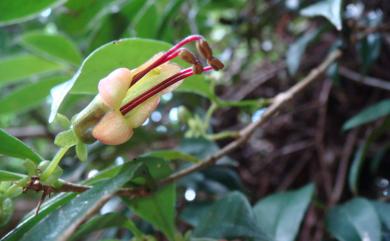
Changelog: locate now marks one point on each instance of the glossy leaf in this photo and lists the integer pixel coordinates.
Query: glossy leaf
(281, 214)
(25, 66)
(89, 12)
(231, 217)
(11, 146)
(297, 49)
(146, 21)
(383, 211)
(330, 9)
(15, 11)
(201, 148)
(53, 225)
(49, 206)
(169, 12)
(173, 155)
(52, 46)
(355, 220)
(360, 155)
(158, 208)
(369, 114)
(28, 96)
(99, 222)
(6, 176)
(356, 166)
(194, 211)
(369, 49)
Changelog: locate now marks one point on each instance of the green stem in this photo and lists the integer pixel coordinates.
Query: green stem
(54, 163)
(129, 225)
(223, 135)
(209, 114)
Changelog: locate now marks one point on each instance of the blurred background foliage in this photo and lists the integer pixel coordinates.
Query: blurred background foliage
(320, 170)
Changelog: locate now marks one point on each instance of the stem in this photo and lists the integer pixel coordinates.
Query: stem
(223, 135)
(54, 163)
(209, 113)
(129, 225)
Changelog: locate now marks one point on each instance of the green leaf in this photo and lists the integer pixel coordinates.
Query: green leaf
(6, 176)
(66, 139)
(15, 11)
(369, 114)
(28, 96)
(170, 155)
(355, 220)
(194, 211)
(99, 222)
(54, 225)
(203, 239)
(128, 53)
(360, 155)
(57, 96)
(330, 9)
(231, 217)
(197, 85)
(11, 146)
(201, 148)
(158, 208)
(357, 163)
(49, 206)
(62, 121)
(169, 12)
(52, 46)
(24, 66)
(383, 211)
(82, 151)
(146, 20)
(53, 204)
(369, 49)
(297, 49)
(281, 214)
(89, 14)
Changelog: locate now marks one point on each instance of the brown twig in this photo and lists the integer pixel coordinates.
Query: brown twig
(366, 80)
(343, 168)
(320, 134)
(278, 102)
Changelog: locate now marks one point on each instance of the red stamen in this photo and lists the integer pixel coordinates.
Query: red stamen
(170, 54)
(185, 73)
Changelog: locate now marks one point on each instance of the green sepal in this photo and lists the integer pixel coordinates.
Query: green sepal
(81, 151)
(23, 182)
(66, 139)
(14, 190)
(4, 186)
(62, 121)
(6, 210)
(31, 167)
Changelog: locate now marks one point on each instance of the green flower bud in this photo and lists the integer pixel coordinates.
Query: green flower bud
(6, 210)
(14, 190)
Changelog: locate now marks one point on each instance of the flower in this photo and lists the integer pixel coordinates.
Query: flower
(127, 97)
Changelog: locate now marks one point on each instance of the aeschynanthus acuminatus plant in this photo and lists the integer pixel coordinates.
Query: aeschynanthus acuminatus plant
(125, 99)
